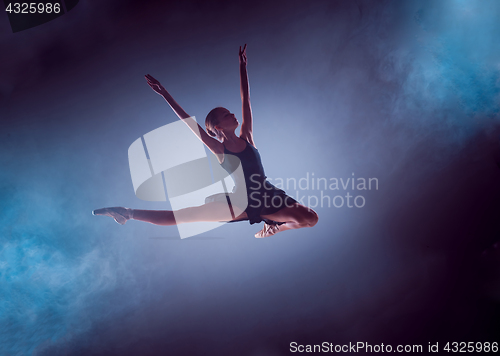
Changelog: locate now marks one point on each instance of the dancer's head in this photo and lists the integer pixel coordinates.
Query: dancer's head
(218, 121)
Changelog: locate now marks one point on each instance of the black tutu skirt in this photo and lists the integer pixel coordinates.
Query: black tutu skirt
(265, 201)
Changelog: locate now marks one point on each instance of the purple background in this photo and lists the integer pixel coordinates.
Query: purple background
(407, 92)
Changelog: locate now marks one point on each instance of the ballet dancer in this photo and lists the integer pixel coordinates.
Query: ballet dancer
(266, 203)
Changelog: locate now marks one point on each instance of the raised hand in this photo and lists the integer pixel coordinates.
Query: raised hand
(155, 84)
(243, 55)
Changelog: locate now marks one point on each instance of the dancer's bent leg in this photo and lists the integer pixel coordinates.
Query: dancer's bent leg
(293, 217)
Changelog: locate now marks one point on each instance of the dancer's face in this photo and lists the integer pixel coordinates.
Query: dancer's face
(227, 120)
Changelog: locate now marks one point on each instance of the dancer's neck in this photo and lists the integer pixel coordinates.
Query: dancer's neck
(230, 137)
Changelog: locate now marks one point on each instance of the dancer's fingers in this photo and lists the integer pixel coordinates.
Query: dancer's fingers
(152, 79)
(151, 84)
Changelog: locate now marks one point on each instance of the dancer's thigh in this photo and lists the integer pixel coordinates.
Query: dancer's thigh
(214, 211)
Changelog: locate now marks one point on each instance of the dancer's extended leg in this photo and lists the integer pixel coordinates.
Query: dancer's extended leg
(214, 211)
(294, 217)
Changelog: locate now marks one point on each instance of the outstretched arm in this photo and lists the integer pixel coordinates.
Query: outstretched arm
(157, 87)
(246, 125)
(215, 146)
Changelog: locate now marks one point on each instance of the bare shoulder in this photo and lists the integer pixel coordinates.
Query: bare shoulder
(217, 148)
(248, 138)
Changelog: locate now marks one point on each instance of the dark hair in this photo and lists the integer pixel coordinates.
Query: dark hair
(211, 121)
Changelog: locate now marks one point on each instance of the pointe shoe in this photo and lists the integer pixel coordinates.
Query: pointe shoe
(121, 215)
(268, 230)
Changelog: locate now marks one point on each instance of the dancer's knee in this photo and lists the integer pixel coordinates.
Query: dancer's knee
(311, 217)
(306, 216)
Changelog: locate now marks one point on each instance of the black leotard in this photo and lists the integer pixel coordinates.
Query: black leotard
(263, 197)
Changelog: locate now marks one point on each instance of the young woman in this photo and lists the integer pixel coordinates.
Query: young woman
(266, 203)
